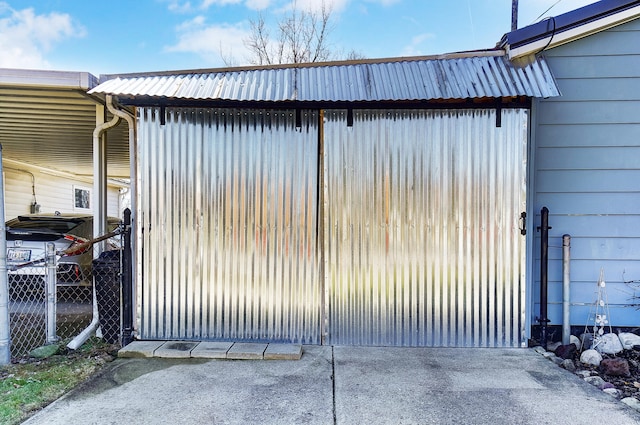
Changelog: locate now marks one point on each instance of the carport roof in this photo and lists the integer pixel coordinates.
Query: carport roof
(47, 120)
(482, 74)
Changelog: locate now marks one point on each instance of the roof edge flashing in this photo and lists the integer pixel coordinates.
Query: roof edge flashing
(48, 79)
(560, 30)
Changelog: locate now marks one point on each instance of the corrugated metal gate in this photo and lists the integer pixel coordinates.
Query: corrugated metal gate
(229, 221)
(416, 243)
(422, 220)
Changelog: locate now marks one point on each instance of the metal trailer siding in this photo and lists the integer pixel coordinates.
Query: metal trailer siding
(422, 218)
(228, 203)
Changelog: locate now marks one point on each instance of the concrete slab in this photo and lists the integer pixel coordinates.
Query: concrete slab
(211, 350)
(140, 349)
(246, 351)
(458, 385)
(341, 385)
(176, 349)
(283, 352)
(181, 392)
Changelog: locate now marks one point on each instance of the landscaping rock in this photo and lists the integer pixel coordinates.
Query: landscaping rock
(609, 344)
(583, 373)
(553, 345)
(586, 340)
(615, 367)
(575, 340)
(612, 392)
(596, 381)
(591, 357)
(539, 349)
(631, 402)
(566, 351)
(557, 360)
(569, 365)
(548, 355)
(607, 386)
(628, 340)
(45, 351)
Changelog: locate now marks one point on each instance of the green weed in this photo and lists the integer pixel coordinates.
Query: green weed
(31, 384)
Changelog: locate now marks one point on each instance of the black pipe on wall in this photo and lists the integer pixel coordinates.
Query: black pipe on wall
(544, 263)
(127, 282)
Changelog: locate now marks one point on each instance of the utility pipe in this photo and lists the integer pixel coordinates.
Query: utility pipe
(5, 330)
(566, 282)
(99, 162)
(51, 293)
(544, 263)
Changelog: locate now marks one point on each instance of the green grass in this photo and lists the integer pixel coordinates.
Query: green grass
(30, 385)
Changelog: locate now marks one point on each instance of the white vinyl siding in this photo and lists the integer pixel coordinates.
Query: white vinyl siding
(587, 172)
(53, 192)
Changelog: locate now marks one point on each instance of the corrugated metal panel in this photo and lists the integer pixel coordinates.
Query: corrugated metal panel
(228, 205)
(422, 220)
(421, 79)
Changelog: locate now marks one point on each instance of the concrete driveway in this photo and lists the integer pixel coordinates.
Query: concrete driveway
(341, 385)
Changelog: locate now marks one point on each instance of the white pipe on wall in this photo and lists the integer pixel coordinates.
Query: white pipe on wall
(100, 211)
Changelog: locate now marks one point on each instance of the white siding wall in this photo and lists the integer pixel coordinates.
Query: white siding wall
(53, 192)
(587, 172)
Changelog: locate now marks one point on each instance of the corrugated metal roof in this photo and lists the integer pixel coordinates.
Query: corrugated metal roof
(487, 74)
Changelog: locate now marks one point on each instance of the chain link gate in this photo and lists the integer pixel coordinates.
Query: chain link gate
(42, 312)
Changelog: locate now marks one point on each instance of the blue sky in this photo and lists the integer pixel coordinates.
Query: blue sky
(121, 36)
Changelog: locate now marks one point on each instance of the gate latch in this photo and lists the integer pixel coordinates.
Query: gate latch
(523, 223)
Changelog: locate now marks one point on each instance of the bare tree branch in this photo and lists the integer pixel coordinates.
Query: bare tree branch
(302, 37)
(259, 42)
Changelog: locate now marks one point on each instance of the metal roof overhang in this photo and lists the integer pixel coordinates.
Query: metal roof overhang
(47, 120)
(461, 80)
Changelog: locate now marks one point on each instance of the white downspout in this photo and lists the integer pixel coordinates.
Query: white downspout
(99, 159)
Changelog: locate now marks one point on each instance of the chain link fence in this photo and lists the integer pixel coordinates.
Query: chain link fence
(38, 316)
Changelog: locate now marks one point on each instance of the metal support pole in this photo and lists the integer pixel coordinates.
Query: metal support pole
(51, 293)
(544, 262)
(5, 330)
(566, 289)
(127, 284)
(514, 15)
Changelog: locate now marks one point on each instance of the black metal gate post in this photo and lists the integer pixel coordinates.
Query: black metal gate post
(127, 284)
(544, 262)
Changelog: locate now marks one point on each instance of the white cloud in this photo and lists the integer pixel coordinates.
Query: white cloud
(335, 6)
(211, 42)
(415, 47)
(258, 4)
(177, 6)
(208, 3)
(26, 37)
